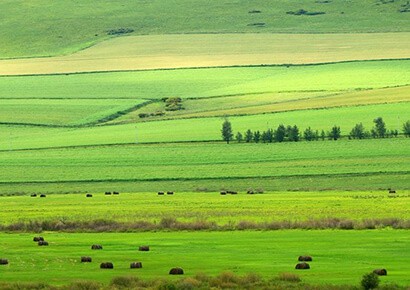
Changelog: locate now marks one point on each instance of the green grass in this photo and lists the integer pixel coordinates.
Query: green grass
(340, 257)
(61, 27)
(320, 165)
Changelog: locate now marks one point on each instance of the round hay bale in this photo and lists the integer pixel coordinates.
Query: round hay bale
(107, 265)
(223, 192)
(42, 195)
(42, 243)
(232, 192)
(392, 191)
(380, 272)
(86, 259)
(170, 192)
(116, 193)
(160, 193)
(107, 193)
(305, 259)
(176, 271)
(38, 239)
(143, 248)
(89, 195)
(136, 265)
(302, 266)
(96, 247)
(4, 262)
(33, 195)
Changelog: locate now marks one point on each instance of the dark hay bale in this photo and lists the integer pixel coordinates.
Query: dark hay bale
(86, 259)
(4, 262)
(380, 272)
(302, 266)
(107, 265)
(136, 265)
(143, 248)
(38, 239)
(96, 247)
(42, 243)
(116, 193)
(223, 192)
(392, 191)
(33, 195)
(176, 271)
(107, 193)
(170, 192)
(160, 193)
(305, 259)
(89, 195)
(42, 195)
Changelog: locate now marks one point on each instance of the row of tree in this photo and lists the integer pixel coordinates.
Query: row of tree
(292, 133)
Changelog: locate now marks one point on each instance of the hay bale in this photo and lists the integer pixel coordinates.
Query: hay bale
(116, 192)
(143, 248)
(392, 191)
(176, 271)
(302, 266)
(136, 265)
(223, 192)
(42, 243)
(89, 195)
(160, 193)
(38, 239)
(305, 259)
(86, 259)
(42, 195)
(33, 195)
(231, 192)
(250, 191)
(380, 272)
(107, 193)
(107, 265)
(170, 192)
(96, 247)
(4, 262)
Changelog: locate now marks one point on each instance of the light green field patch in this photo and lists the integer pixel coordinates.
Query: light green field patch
(212, 50)
(60, 111)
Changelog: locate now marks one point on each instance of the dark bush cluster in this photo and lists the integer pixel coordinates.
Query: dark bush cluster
(119, 31)
(173, 104)
(305, 12)
(155, 114)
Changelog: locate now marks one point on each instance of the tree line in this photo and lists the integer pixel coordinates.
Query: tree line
(292, 133)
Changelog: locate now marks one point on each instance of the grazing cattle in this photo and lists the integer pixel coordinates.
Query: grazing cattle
(136, 265)
(116, 193)
(89, 195)
(37, 239)
(107, 265)
(107, 193)
(305, 259)
(160, 193)
(302, 266)
(144, 248)
(176, 271)
(42, 195)
(86, 259)
(96, 247)
(4, 262)
(33, 195)
(170, 192)
(380, 272)
(42, 243)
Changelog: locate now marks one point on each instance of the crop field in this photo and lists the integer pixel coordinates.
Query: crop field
(210, 50)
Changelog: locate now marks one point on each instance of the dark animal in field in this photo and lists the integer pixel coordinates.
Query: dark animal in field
(160, 193)
(116, 193)
(42, 195)
(305, 258)
(86, 259)
(176, 271)
(107, 265)
(143, 248)
(42, 243)
(380, 272)
(4, 261)
(107, 193)
(96, 247)
(392, 191)
(302, 266)
(170, 192)
(223, 192)
(37, 239)
(33, 195)
(136, 265)
(89, 195)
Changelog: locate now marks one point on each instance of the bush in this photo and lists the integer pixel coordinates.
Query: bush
(370, 281)
(289, 277)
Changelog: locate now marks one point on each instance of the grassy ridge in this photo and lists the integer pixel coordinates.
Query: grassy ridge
(84, 23)
(210, 253)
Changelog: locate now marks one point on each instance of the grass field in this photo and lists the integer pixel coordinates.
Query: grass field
(334, 253)
(85, 23)
(207, 50)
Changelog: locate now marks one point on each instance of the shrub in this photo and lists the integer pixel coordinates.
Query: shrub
(370, 281)
(125, 282)
(85, 285)
(289, 277)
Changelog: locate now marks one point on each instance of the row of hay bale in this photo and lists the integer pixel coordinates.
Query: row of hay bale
(114, 193)
(225, 192)
(163, 192)
(35, 195)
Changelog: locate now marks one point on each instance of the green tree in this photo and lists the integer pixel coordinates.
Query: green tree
(239, 137)
(370, 281)
(293, 133)
(358, 132)
(248, 136)
(308, 134)
(227, 134)
(379, 129)
(323, 135)
(256, 136)
(279, 133)
(406, 129)
(335, 133)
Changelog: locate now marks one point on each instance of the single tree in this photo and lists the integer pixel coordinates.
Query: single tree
(269, 136)
(227, 134)
(358, 132)
(406, 129)
(293, 133)
(323, 135)
(248, 136)
(335, 133)
(370, 281)
(279, 134)
(257, 136)
(379, 130)
(308, 134)
(239, 137)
